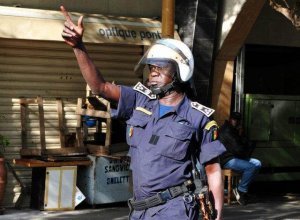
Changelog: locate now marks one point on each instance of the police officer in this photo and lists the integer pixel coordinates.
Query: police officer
(164, 128)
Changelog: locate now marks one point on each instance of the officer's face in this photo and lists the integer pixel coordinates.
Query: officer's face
(160, 76)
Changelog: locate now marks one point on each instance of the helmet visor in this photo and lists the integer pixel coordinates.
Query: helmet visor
(158, 62)
(160, 54)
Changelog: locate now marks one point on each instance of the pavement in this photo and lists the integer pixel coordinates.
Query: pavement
(284, 206)
(277, 202)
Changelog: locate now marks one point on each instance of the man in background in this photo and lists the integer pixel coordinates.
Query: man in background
(237, 157)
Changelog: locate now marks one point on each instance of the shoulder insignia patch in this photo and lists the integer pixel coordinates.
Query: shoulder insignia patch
(205, 110)
(144, 90)
(211, 124)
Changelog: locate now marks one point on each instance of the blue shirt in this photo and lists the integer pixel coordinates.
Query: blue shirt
(160, 147)
(163, 109)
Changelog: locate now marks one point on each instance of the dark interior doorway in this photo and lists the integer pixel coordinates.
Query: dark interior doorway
(272, 70)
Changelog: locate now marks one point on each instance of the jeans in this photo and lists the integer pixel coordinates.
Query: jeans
(247, 167)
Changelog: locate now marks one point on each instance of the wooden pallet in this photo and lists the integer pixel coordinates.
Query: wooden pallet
(63, 149)
(97, 108)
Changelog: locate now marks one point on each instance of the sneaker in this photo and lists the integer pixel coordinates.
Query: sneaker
(240, 196)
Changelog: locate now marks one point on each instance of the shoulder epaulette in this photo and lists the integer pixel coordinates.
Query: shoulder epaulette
(210, 124)
(144, 90)
(205, 110)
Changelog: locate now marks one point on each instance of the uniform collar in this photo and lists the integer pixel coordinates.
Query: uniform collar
(182, 106)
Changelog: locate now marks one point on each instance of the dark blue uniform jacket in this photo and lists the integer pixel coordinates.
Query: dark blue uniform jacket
(161, 147)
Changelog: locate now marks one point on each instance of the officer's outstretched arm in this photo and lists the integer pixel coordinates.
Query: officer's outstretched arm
(215, 183)
(72, 35)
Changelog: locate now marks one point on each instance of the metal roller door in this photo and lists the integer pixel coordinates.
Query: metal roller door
(49, 69)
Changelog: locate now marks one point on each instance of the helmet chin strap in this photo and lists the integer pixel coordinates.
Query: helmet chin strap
(162, 91)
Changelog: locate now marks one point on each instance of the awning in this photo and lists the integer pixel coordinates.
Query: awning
(34, 24)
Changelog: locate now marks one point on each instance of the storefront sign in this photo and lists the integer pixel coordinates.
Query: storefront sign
(34, 24)
(116, 167)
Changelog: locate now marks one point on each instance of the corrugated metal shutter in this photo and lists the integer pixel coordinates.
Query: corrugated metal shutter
(49, 69)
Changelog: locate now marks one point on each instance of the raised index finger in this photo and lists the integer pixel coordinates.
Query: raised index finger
(66, 14)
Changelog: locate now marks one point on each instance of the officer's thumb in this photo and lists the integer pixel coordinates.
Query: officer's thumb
(80, 22)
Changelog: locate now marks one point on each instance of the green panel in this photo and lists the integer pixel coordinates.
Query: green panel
(297, 124)
(285, 176)
(278, 157)
(258, 118)
(274, 122)
(282, 120)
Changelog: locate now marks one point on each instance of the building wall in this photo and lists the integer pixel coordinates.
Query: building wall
(129, 8)
(47, 67)
(197, 28)
(228, 12)
(272, 28)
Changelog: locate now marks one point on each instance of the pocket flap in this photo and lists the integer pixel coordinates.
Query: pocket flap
(179, 131)
(138, 120)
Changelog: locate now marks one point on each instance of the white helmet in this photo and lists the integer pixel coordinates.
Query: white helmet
(169, 50)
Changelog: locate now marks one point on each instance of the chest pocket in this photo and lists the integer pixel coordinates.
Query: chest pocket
(136, 127)
(178, 136)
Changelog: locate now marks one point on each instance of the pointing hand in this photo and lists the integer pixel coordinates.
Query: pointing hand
(71, 33)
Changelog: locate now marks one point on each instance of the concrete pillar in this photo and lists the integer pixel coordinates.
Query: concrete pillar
(197, 22)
